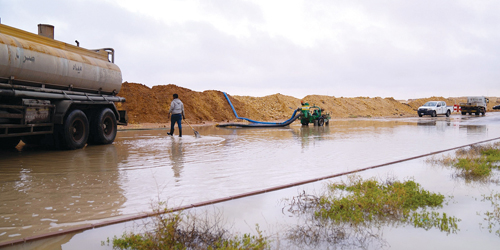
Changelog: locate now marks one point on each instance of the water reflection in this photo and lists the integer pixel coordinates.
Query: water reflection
(441, 125)
(45, 191)
(308, 135)
(323, 234)
(177, 158)
(474, 129)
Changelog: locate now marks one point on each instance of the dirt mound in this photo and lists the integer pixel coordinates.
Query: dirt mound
(151, 105)
(415, 103)
(360, 106)
(268, 108)
(141, 104)
(451, 101)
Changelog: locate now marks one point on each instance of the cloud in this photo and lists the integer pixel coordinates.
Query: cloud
(404, 49)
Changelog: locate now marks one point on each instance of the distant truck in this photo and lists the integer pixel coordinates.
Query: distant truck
(474, 104)
(434, 108)
(54, 93)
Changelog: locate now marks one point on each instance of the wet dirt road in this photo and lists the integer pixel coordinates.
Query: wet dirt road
(45, 191)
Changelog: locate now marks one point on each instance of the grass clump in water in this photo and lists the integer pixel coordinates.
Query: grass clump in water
(493, 217)
(169, 230)
(473, 167)
(428, 220)
(360, 202)
(475, 162)
(352, 214)
(366, 200)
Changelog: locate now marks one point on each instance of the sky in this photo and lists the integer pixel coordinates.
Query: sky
(343, 48)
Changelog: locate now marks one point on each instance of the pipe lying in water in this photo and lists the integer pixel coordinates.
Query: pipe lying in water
(257, 124)
(224, 199)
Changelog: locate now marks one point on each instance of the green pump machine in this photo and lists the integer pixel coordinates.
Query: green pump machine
(313, 115)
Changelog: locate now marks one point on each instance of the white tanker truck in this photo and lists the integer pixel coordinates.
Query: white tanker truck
(54, 93)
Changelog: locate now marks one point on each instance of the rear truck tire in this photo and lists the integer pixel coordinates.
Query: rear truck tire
(321, 121)
(9, 143)
(75, 130)
(419, 115)
(477, 112)
(433, 114)
(103, 127)
(464, 113)
(448, 113)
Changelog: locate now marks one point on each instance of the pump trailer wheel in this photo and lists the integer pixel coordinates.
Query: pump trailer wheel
(321, 121)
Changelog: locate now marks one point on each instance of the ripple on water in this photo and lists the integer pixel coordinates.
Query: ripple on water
(142, 167)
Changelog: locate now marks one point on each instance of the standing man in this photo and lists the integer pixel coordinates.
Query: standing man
(177, 114)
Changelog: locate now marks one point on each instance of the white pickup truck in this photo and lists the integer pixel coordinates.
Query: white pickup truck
(434, 108)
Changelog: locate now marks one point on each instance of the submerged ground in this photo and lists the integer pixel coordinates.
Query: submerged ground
(46, 191)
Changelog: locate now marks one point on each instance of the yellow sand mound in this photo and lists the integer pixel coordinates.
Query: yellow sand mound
(150, 105)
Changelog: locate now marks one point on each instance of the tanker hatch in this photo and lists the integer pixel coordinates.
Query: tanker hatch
(46, 30)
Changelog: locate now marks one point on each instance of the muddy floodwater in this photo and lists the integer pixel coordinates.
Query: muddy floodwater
(45, 191)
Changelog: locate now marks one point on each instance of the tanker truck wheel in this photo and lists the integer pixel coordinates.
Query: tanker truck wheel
(75, 130)
(103, 127)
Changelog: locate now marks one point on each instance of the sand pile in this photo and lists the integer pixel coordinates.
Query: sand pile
(150, 105)
(449, 101)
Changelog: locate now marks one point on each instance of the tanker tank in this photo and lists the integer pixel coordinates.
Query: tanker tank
(56, 94)
(31, 59)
